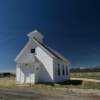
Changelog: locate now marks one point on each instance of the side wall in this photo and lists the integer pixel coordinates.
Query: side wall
(46, 72)
(25, 54)
(25, 73)
(62, 77)
(17, 73)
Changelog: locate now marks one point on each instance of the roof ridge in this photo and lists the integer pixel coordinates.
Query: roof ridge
(52, 51)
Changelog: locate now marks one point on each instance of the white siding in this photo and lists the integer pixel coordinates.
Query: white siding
(25, 54)
(47, 62)
(21, 75)
(44, 70)
(68, 74)
(25, 74)
(17, 73)
(62, 77)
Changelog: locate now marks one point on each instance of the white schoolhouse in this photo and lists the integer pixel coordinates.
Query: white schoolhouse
(38, 63)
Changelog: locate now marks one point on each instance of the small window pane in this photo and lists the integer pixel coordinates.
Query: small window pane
(66, 70)
(32, 50)
(63, 70)
(58, 69)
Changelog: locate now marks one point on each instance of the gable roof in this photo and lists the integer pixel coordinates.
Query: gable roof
(51, 52)
(22, 51)
(47, 49)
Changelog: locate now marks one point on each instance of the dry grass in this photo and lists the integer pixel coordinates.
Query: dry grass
(90, 75)
(10, 82)
(7, 82)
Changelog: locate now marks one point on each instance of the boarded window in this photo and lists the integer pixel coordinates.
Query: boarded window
(26, 64)
(58, 70)
(66, 70)
(32, 51)
(63, 71)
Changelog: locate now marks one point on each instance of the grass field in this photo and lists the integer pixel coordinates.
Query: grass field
(90, 75)
(7, 82)
(10, 82)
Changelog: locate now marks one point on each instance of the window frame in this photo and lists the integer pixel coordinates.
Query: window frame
(32, 51)
(66, 70)
(58, 70)
(63, 70)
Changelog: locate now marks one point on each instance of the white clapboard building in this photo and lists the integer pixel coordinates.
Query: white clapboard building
(38, 63)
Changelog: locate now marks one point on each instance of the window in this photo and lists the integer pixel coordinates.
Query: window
(32, 51)
(66, 70)
(58, 70)
(26, 64)
(63, 71)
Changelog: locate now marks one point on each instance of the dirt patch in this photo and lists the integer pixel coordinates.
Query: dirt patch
(45, 94)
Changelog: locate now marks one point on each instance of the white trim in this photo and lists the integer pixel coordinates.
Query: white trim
(22, 51)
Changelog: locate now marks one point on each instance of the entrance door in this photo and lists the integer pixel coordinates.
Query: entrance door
(32, 73)
(29, 74)
(37, 72)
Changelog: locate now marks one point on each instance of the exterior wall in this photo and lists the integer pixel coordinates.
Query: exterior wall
(27, 56)
(61, 77)
(68, 77)
(17, 73)
(46, 69)
(21, 75)
(25, 74)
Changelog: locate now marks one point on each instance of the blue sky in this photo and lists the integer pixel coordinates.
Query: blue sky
(72, 27)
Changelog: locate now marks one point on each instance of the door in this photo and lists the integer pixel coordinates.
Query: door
(29, 74)
(32, 74)
(37, 72)
(21, 74)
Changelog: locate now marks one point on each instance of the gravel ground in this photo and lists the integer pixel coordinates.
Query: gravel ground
(49, 94)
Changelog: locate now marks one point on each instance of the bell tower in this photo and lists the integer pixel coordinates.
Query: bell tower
(35, 34)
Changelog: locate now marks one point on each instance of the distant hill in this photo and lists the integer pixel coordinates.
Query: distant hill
(7, 74)
(86, 69)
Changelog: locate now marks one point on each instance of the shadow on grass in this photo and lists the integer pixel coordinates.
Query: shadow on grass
(71, 82)
(46, 83)
(68, 82)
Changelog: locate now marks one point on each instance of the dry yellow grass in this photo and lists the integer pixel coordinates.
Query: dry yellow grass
(7, 82)
(10, 82)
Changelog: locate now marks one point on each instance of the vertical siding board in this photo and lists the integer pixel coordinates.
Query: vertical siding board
(47, 62)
